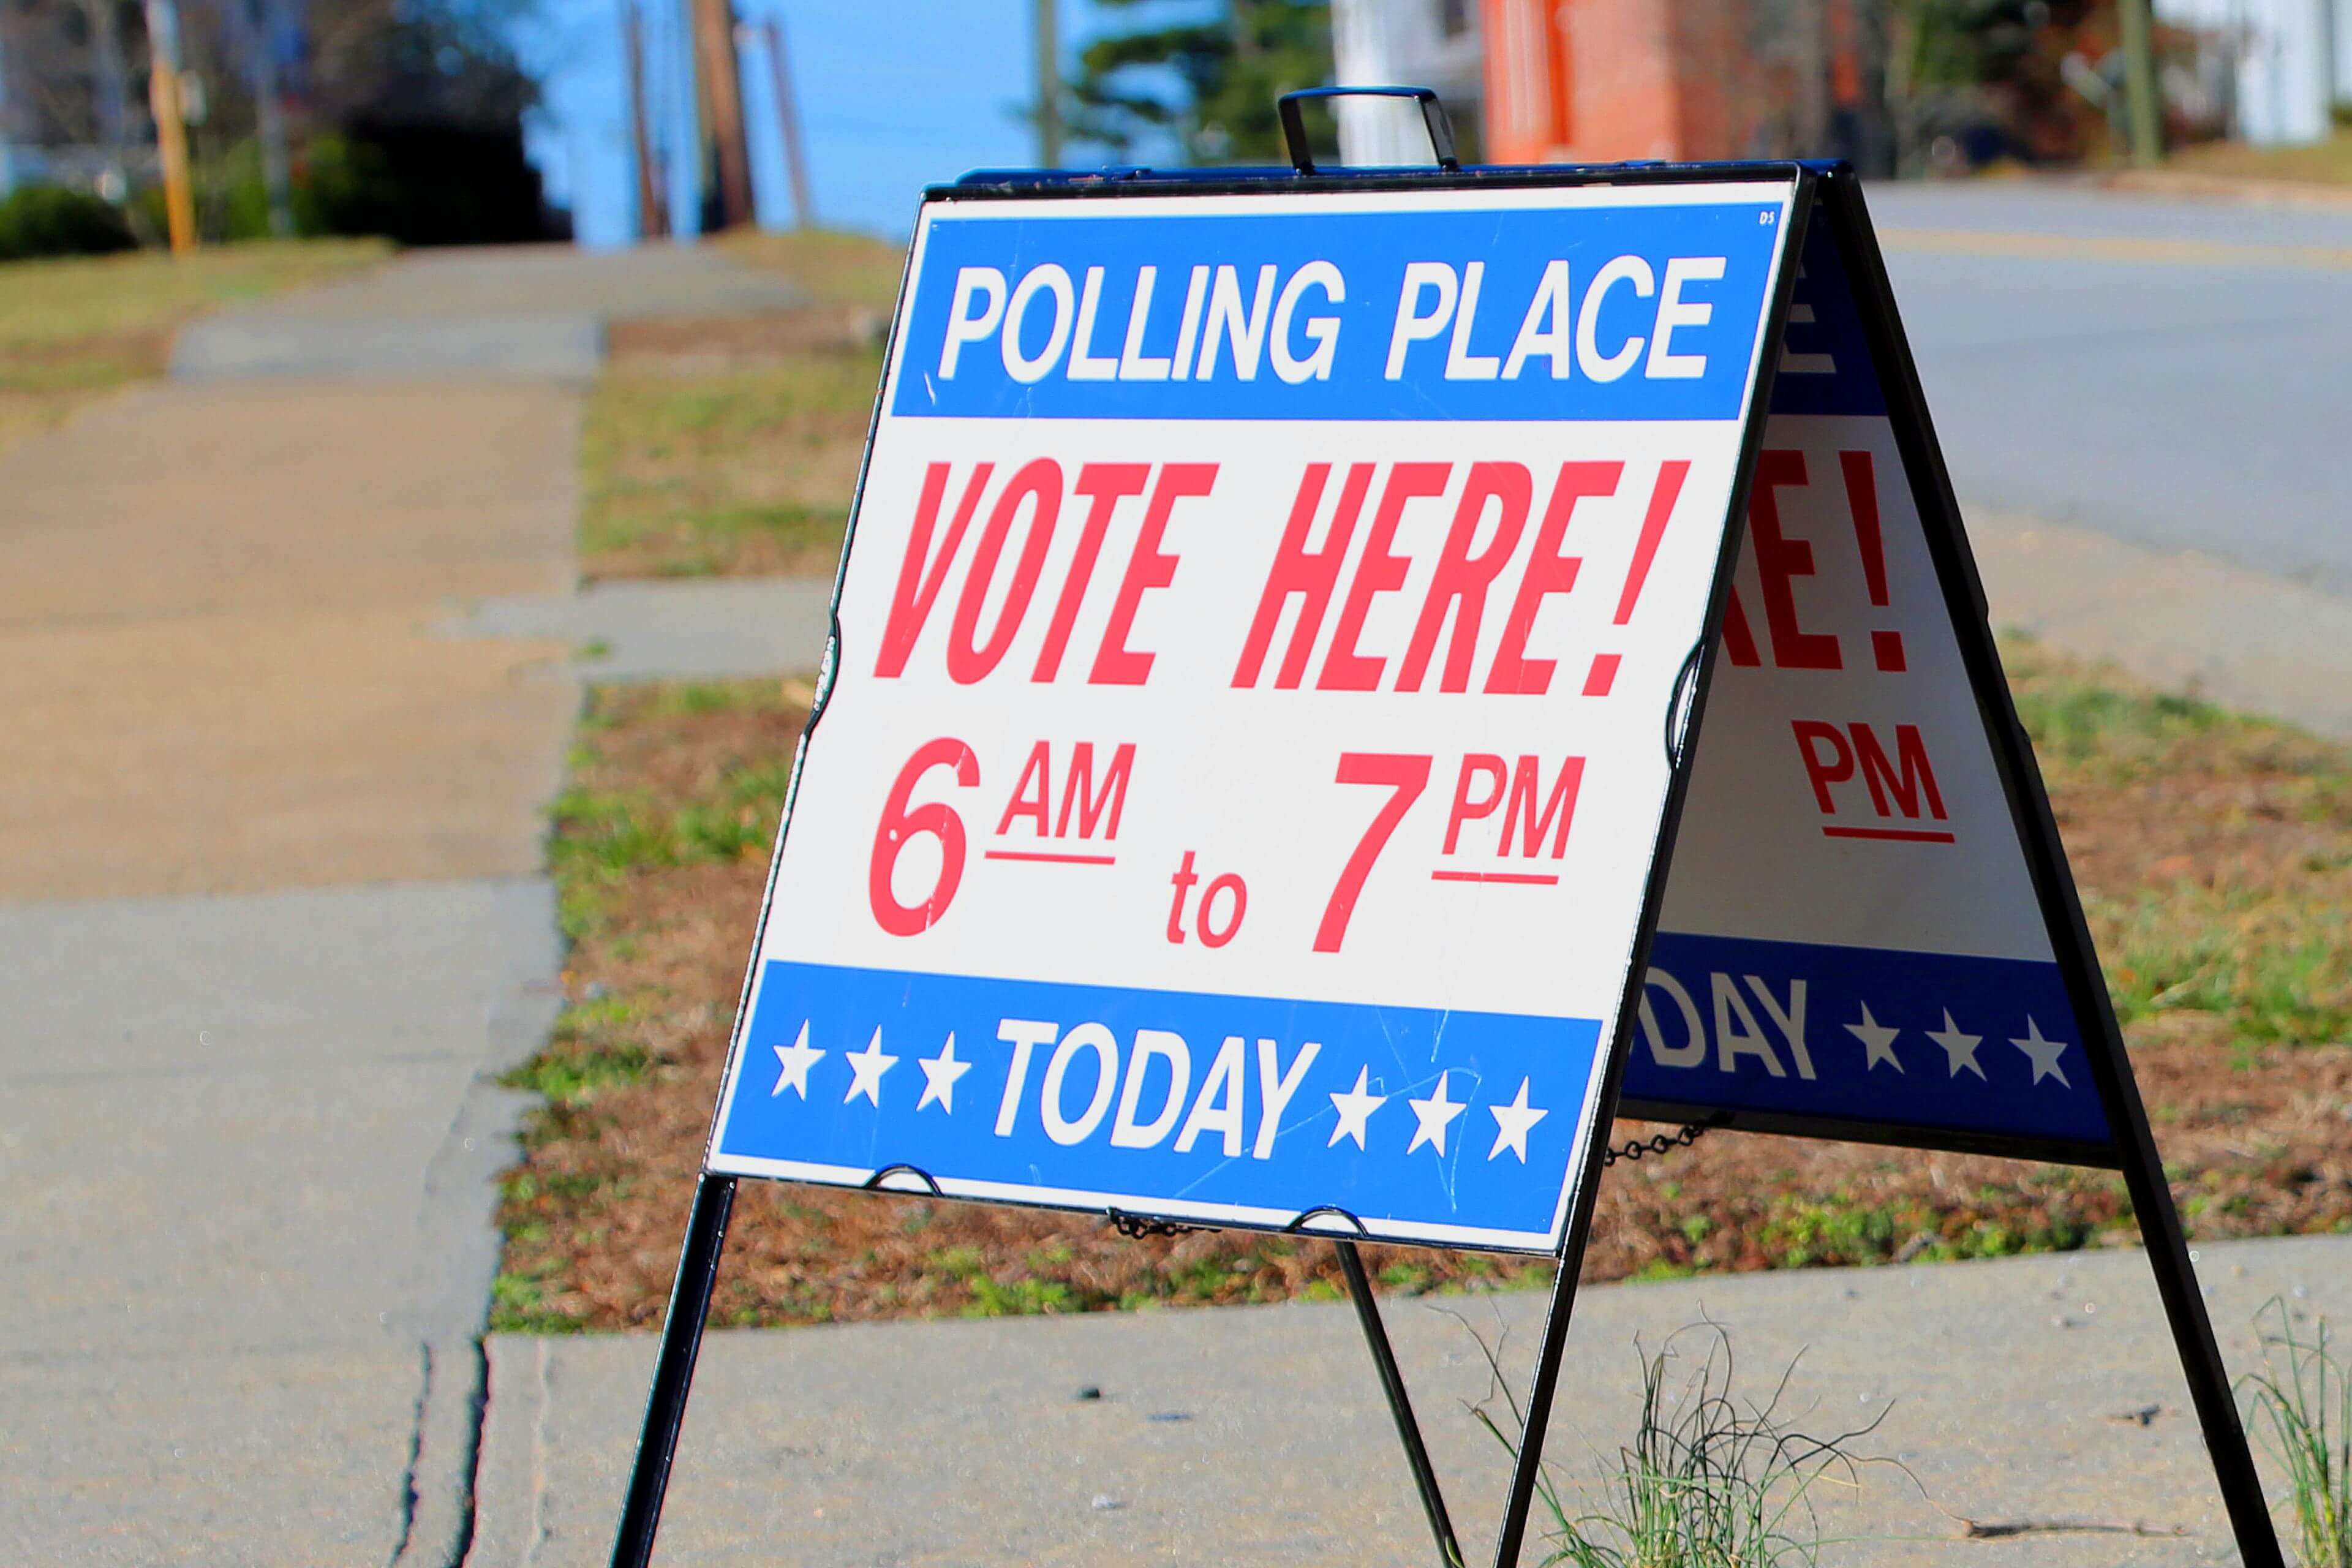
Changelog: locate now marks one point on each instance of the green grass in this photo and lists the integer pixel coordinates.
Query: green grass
(2280, 973)
(519, 1306)
(836, 269)
(2079, 723)
(45, 303)
(726, 472)
(604, 836)
(2253, 926)
(72, 330)
(1806, 1232)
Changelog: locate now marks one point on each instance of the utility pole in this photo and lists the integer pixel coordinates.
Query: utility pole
(652, 200)
(2143, 115)
(269, 114)
(170, 130)
(788, 111)
(722, 100)
(1049, 84)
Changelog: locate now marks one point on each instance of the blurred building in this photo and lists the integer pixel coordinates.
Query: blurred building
(2278, 69)
(1605, 81)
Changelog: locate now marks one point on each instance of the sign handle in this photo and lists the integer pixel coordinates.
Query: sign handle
(1416, 1452)
(689, 1303)
(1433, 116)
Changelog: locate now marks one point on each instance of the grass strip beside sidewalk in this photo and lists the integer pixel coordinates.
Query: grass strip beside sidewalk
(73, 330)
(2216, 856)
(730, 446)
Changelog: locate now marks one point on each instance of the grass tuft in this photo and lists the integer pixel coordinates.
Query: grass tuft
(1709, 1481)
(2300, 1407)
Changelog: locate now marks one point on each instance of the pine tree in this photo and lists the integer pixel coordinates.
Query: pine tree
(1228, 71)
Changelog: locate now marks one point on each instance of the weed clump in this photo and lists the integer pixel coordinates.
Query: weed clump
(2300, 1407)
(1709, 1481)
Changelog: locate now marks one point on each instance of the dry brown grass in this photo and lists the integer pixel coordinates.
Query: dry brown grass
(2328, 163)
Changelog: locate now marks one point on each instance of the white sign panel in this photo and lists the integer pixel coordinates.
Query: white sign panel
(1242, 765)
(1851, 935)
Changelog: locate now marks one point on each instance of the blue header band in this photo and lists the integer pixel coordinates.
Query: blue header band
(1634, 313)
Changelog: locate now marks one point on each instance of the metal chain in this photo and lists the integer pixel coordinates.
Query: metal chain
(1662, 1144)
(1135, 1226)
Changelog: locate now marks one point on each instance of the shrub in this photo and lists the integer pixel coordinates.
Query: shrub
(50, 220)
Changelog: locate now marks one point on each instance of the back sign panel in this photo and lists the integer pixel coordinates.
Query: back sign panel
(1243, 764)
(1851, 935)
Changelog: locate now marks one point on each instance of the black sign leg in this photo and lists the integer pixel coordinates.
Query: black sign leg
(1527, 1471)
(1416, 1452)
(689, 1303)
(2192, 1334)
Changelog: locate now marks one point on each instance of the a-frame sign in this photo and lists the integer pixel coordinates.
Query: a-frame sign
(1342, 683)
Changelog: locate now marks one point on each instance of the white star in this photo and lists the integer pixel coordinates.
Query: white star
(1877, 1041)
(1511, 1124)
(1436, 1114)
(868, 1068)
(1355, 1108)
(2044, 1052)
(797, 1058)
(1962, 1048)
(940, 1075)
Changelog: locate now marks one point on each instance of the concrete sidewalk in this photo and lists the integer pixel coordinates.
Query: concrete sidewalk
(528, 312)
(272, 922)
(2037, 1393)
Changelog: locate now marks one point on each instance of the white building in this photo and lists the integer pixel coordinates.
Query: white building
(1403, 43)
(2286, 62)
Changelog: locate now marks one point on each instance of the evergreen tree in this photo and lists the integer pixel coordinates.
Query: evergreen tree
(1228, 71)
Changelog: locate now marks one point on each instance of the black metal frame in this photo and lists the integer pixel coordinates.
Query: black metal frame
(2133, 1149)
(1831, 191)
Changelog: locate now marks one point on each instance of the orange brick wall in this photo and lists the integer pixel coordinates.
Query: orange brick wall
(1653, 78)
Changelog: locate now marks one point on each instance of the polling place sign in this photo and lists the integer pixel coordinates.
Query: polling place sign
(1341, 684)
(1241, 774)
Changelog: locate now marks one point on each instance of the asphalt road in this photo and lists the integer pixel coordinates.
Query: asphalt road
(2174, 373)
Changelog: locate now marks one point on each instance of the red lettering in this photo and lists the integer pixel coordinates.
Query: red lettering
(1779, 562)
(921, 573)
(967, 660)
(1311, 574)
(1405, 777)
(1463, 578)
(1548, 572)
(1905, 778)
(1823, 771)
(1032, 794)
(1150, 567)
(1466, 810)
(1380, 572)
(1560, 806)
(1079, 791)
(1738, 642)
(1107, 484)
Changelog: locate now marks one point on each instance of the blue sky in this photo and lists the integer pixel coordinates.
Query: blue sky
(894, 94)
